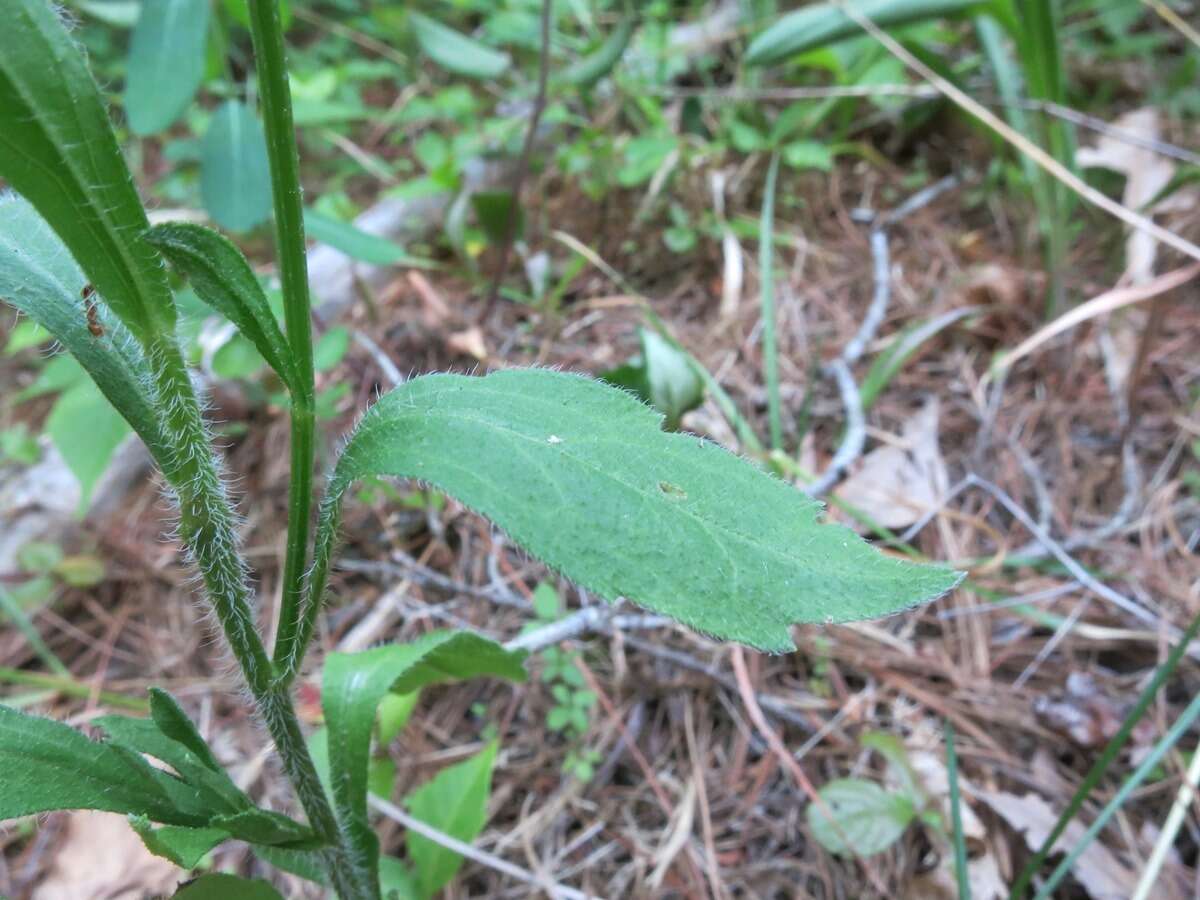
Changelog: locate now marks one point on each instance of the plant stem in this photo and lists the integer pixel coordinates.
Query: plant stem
(266, 28)
(766, 277)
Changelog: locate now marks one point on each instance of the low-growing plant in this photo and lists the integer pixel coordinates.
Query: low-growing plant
(577, 472)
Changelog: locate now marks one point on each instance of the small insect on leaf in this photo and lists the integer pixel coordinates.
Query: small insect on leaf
(93, 320)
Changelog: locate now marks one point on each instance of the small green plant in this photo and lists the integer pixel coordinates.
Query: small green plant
(578, 473)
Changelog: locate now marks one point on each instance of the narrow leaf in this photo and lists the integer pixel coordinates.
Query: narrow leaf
(456, 52)
(223, 279)
(87, 431)
(39, 278)
(581, 475)
(235, 179)
(354, 683)
(166, 62)
(821, 24)
(454, 802)
(589, 70)
(359, 244)
(58, 150)
(48, 766)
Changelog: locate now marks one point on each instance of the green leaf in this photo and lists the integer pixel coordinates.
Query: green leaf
(454, 802)
(235, 178)
(87, 432)
(673, 385)
(220, 886)
(240, 12)
(359, 244)
(39, 278)
(353, 685)
(808, 155)
(394, 713)
(493, 209)
(57, 149)
(456, 52)
(821, 24)
(80, 570)
(223, 279)
(581, 475)
(866, 819)
(395, 881)
(166, 62)
(331, 348)
(173, 722)
(185, 847)
(590, 69)
(118, 13)
(48, 766)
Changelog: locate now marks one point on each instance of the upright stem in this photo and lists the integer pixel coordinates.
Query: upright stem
(267, 31)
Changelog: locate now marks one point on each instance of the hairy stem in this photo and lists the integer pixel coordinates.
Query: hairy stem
(267, 32)
(208, 529)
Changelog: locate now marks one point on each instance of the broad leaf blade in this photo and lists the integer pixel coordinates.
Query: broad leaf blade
(860, 817)
(166, 62)
(454, 801)
(581, 475)
(821, 24)
(39, 278)
(456, 52)
(235, 179)
(49, 766)
(354, 683)
(57, 149)
(223, 279)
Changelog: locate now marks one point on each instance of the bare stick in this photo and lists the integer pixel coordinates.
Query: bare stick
(856, 431)
(539, 104)
(396, 814)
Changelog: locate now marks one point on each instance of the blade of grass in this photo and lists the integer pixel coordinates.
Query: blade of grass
(956, 822)
(766, 276)
(69, 687)
(12, 609)
(1100, 766)
(1176, 731)
(1170, 829)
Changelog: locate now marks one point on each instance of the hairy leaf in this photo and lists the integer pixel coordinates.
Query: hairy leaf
(39, 278)
(860, 817)
(456, 52)
(235, 178)
(821, 24)
(354, 683)
(58, 150)
(582, 476)
(454, 801)
(49, 766)
(221, 886)
(183, 846)
(166, 62)
(223, 279)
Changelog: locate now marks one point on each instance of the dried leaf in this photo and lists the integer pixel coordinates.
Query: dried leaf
(1097, 869)
(468, 342)
(99, 855)
(895, 485)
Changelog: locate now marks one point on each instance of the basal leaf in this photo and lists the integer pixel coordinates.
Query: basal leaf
(860, 817)
(221, 886)
(581, 475)
(57, 149)
(166, 62)
(673, 385)
(223, 279)
(87, 432)
(39, 278)
(49, 766)
(235, 178)
(821, 24)
(454, 801)
(456, 52)
(353, 685)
